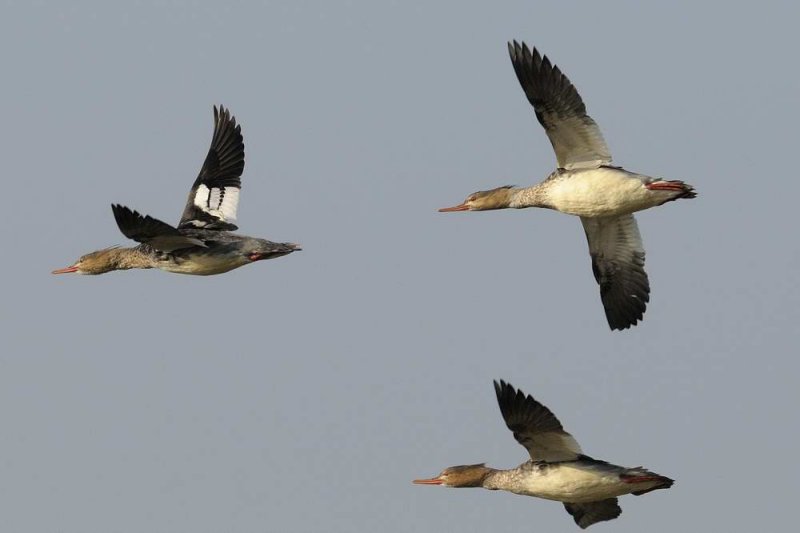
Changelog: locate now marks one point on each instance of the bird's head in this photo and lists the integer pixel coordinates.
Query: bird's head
(459, 476)
(98, 262)
(499, 198)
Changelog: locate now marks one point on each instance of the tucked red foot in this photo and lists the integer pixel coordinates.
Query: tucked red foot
(674, 185)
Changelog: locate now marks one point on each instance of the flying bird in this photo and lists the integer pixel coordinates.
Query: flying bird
(557, 470)
(585, 184)
(202, 243)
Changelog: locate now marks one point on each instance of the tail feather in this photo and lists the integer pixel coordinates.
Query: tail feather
(645, 476)
(683, 189)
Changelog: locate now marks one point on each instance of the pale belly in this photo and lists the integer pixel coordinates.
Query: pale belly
(575, 485)
(602, 192)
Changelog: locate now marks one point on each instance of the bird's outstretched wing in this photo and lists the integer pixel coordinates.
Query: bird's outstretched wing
(151, 231)
(586, 514)
(618, 266)
(214, 197)
(535, 426)
(575, 137)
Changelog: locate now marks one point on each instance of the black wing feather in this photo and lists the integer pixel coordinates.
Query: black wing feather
(615, 247)
(221, 170)
(151, 231)
(586, 514)
(576, 138)
(534, 426)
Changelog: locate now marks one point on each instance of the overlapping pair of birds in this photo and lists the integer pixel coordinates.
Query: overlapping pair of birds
(585, 184)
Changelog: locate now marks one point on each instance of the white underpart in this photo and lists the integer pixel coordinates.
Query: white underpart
(603, 192)
(572, 483)
(219, 202)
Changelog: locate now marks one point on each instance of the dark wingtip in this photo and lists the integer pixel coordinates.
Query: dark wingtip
(224, 115)
(518, 50)
(512, 48)
(628, 313)
(500, 386)
(618, 322)
(507, 394)
(120, 210)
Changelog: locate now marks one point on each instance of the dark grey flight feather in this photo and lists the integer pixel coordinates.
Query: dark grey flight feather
(586, 514)
(221, 174)
(534, 426)
(576, 138)
(151, 231)
(615, 246)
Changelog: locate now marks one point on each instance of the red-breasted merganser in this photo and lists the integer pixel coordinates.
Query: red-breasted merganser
(586, 185)
(202, 244)
(558, 470)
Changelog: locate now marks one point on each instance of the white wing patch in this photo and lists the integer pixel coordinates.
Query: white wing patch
(219, 202)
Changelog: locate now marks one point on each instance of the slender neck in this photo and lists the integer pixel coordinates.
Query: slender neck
(498, 479)
(534, 196)
(511, 479)
(128, 258)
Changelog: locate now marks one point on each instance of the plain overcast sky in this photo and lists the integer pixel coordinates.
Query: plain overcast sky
(305, 393)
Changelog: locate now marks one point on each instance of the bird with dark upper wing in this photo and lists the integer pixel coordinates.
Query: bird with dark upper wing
(203, 243)
(557, 470)
(585, 184)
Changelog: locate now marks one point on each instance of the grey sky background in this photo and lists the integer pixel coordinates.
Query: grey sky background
(305, 393)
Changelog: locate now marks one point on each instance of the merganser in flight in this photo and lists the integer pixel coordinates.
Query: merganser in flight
(202, 244)
(557, 470)
(586, 185)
